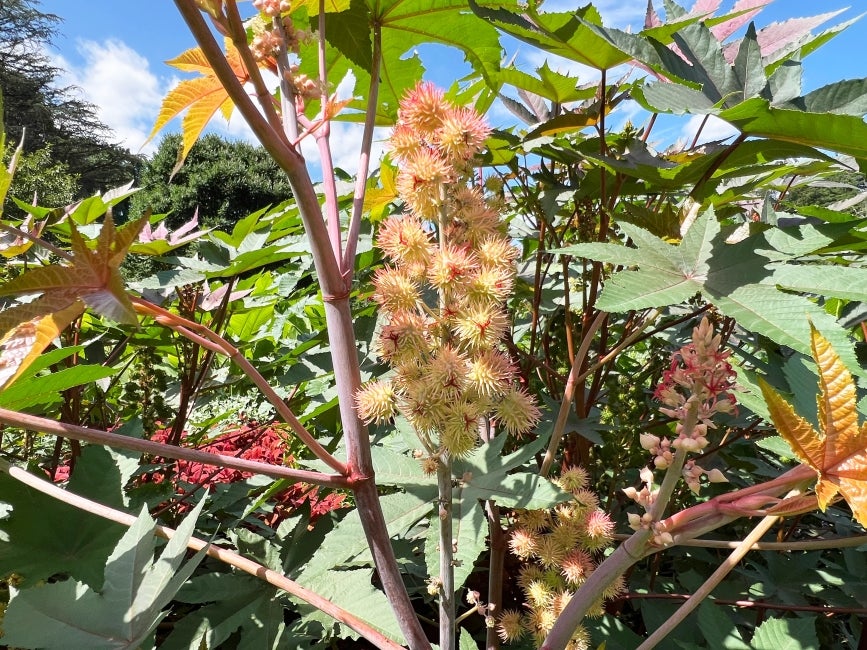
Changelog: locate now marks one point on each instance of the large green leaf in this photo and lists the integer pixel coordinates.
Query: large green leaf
(569, 34)
(352, 590)
(78, 543)
(38, 390)
(847, 282)
(786, 634)
(841, 133)
(404, 25)
(231, 602)
(734, 277)
(346, 545)
(69, 615)
(547, 83)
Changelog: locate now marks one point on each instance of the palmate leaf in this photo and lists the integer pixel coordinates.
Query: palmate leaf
(93, 279)
(734, 277)
(568, 34)
(404, 25)
(203, 96)
(123, 613)
(30, 328)
(839, 453)
(842, 133)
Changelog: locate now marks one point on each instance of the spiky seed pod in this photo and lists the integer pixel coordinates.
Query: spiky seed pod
(534, 520)
(509, 627)
(573, 479)
(538, 593)
(448, 374)
(566, 535)
(498, 251)
(460, 431)
(404, 339)
(517, 412)
(421, 181)
(524, 543)
(580, 639)
(491, 373)
(420, 408)
(560, 600)
(586, 499)
(550, 552)
(375, 402)
(538, 622)
(616, 588)
(404, 240)
(422, 109)
(404, 142)
(451, 267)
(598, 530)
(529, 574)
(462, 134)
(577, 567)
(395, 290)
(480, 327)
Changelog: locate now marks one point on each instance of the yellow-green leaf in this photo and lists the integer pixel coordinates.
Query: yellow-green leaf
(201, 97)
(27, 340)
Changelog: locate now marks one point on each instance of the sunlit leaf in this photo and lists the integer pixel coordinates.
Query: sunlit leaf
(733, 276)
(839, 453)
(203, 96)
(24, 340)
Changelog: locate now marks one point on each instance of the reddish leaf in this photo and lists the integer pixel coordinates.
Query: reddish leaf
(839, 453)
(92, 279)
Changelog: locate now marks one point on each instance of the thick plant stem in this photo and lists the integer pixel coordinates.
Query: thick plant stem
(348, 262)
(344, 355)
(447, 567)
(229, 557)
(76, 432)
(495, 571)
(716, 577)
(335, 283)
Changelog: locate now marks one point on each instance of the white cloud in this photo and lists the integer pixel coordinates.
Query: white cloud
(119, 82)
(714, 129)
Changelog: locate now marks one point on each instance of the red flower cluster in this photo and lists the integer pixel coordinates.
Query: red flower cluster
(252, 441)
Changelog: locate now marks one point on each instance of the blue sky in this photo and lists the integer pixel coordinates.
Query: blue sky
(115, 51)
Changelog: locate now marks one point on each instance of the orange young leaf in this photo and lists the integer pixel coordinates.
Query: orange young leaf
(203, 96)
(839, 453)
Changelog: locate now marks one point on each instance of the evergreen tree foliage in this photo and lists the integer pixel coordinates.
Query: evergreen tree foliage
(50, 115)
(224, 180)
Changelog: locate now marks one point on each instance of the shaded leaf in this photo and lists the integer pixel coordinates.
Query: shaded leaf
(123, 613)
(78, 545)
(786, 634)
